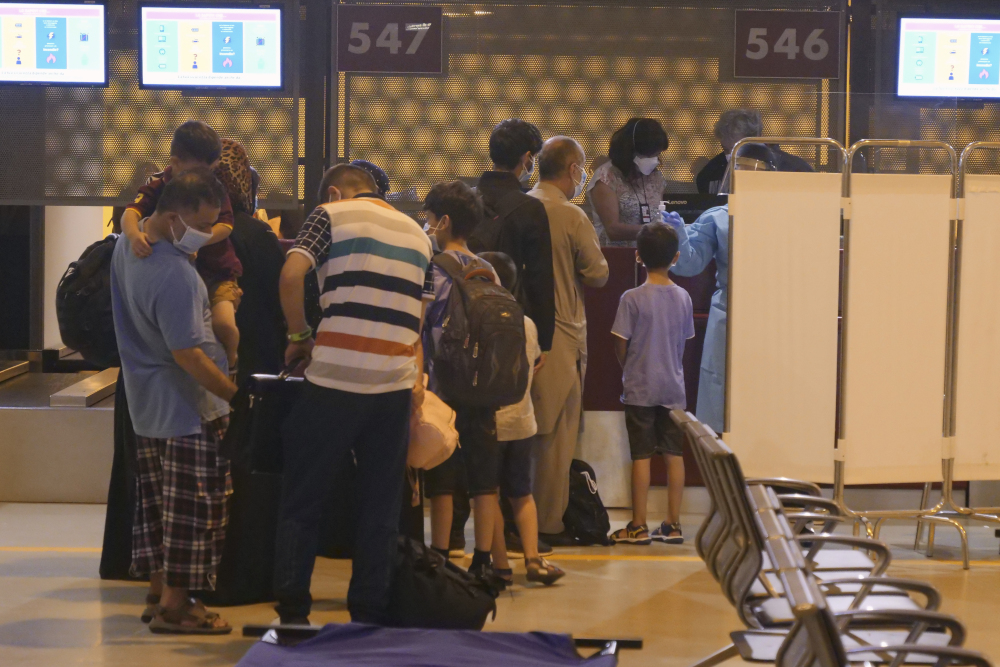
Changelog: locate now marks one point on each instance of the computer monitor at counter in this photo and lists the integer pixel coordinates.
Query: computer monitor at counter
(689, 206)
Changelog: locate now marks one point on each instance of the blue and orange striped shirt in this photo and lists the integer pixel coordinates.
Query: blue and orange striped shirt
(371, 263)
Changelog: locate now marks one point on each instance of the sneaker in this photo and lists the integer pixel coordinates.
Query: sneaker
(665, 533)
(632, 535)
(456, 545)
(543, 572)
(563, 539)
(516, 550)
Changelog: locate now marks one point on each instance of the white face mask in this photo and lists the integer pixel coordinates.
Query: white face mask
(578, 187)
(646, 165)
(192, 240)
(526, 174)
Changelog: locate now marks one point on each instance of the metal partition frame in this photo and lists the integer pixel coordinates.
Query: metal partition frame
(935, 514)
(947, 506)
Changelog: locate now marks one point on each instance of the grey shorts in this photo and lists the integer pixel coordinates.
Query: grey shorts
(651, 431)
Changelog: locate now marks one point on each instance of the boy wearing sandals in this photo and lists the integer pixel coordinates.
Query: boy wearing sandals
(516, 429)
(653, 323)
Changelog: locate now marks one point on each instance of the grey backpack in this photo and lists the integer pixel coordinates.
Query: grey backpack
(480, 360)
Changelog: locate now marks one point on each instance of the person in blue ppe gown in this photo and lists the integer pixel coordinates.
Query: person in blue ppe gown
(707, 238)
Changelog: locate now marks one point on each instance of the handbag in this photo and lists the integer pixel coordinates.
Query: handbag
(259, 412)
(433, 436)
(428, 591)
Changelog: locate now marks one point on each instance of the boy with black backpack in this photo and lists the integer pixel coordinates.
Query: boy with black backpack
(474, 352)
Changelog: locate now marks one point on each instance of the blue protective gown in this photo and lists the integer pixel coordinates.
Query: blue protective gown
(707, 238)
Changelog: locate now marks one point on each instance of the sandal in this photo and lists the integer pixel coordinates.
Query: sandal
(542, 571)
(507, 574)
(190, 619)
(632, 535)
(665, 533)
(150, 612)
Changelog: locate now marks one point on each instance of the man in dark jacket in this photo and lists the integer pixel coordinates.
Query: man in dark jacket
(516, 224)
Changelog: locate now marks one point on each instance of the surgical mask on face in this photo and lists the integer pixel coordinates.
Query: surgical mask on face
(528, 173)
(646, 165)
(192, 240)
(578, 187)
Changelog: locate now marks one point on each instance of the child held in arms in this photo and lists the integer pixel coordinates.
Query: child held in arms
(196, 144)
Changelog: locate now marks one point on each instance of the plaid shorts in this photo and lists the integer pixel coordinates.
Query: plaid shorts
(181, 509)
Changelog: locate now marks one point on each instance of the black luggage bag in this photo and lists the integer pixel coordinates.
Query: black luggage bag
(253, 445)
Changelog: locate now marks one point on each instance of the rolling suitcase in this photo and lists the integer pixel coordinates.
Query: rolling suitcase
(253, 445)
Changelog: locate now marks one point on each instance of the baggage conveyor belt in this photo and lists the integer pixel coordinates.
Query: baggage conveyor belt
(55, 454)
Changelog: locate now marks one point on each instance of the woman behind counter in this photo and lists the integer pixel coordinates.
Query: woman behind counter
(626, 190)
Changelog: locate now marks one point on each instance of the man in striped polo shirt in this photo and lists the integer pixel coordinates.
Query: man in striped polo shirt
(362, 379)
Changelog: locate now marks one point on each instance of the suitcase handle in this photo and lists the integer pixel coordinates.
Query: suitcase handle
(290, 368)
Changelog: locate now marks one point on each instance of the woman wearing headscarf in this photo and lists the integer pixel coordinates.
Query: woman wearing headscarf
(259, 319)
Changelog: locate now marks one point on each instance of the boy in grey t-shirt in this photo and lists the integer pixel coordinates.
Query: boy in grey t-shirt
(653, 322)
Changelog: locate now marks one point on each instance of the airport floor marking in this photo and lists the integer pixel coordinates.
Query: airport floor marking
(555, 557)
(60, 550)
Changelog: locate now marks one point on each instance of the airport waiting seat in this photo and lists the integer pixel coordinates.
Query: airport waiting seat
(821, 637)
(734, 545)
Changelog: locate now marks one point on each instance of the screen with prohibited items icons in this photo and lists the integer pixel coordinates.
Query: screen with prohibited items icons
(53, 44)
(944, 57)
(210, 47)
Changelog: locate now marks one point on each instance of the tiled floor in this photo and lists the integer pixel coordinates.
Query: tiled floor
(55, 611)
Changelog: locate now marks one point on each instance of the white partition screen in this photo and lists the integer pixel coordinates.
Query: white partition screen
(784, 292)
(977, 409)
(893, 402)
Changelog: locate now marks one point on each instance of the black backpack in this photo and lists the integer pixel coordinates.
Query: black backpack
(481, 359)
(586, 519)
(491, 234)
(428, 591)
(83, 305)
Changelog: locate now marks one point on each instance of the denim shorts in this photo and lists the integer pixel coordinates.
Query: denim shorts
(651, 431)
(517, 467)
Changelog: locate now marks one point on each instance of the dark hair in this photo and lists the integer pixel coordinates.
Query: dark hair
(657, 244)
(557, 154)
(187, 191)
(511, 139)
(459, 202)
(504, 266)
(343, 176)
(376, 172)
(640, 136)
(195, 140)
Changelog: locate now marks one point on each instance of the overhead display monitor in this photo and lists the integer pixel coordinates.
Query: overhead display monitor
(53, 44)
(189, 46)
(943, 57)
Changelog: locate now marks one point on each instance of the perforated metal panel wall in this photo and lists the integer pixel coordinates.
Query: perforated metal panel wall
(576, 70)
(94, 145)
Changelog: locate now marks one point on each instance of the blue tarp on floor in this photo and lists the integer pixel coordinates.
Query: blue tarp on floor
(364, 645)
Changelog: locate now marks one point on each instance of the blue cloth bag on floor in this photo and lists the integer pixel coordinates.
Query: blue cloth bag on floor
(355, 645)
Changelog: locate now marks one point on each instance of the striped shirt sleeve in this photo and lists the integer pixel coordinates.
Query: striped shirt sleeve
(314, 237)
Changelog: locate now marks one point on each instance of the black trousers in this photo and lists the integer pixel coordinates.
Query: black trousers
(323, 427)
(116, 556)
